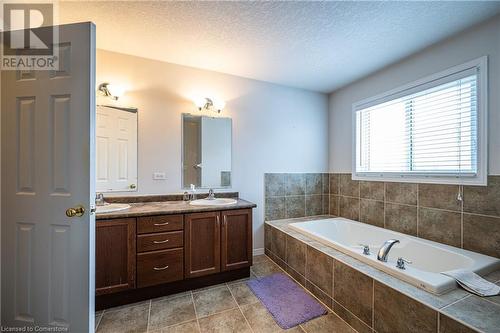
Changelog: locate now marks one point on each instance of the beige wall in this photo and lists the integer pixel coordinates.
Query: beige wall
(473, 43)
(275, 128)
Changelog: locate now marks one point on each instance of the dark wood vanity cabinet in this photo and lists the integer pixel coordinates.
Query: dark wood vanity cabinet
(149, 256)
(236, 239)
(217, 241)
(115, 255)
(202, 244)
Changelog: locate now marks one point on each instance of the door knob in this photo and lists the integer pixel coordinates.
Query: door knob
(75, 211)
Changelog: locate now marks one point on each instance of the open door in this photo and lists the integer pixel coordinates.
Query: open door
(48, 189)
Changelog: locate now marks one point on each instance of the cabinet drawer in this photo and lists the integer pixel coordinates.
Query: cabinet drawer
(159, 267)
(160, 223)
(160, 241)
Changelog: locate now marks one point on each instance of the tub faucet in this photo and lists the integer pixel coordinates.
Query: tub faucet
(383, 253)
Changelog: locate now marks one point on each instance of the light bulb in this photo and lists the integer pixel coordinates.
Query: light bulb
(116, 90)
(219, 105)
(199, 102)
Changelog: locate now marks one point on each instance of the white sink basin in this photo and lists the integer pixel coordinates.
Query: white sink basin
(213, 202)
(114, 207)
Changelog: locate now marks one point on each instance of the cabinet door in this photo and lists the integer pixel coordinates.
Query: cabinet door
(201, 244)
(115, 255)
(236, 243)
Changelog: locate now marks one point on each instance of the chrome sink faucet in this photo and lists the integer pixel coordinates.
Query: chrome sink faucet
(383, 253)
(211, 194)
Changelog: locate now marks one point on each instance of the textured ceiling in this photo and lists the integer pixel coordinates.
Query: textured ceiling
(319, 46)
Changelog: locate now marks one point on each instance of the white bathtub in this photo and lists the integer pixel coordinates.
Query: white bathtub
(428, 258)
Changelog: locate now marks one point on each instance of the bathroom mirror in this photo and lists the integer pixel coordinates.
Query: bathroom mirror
(116, 149)
(206, 151)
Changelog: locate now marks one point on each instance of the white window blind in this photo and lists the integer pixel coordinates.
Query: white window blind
(429, 130)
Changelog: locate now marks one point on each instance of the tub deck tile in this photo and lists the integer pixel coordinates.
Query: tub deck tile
(477, 312)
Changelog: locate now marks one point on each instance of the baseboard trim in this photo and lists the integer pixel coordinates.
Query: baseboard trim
(258, 252)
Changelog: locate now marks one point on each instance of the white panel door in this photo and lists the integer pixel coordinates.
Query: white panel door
(47, 167)
(116, 147)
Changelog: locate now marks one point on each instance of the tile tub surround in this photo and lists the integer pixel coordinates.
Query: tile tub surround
(370, 300)
(429, 211)
(289, 195)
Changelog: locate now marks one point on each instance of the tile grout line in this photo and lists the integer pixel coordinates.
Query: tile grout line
(373, 304)
(418, 209)
(286, 249)
(302, 327)
(333, 281)
(98, 321)
(305, 194)
(195, 312)
(359, 200)
(239, 308)
(350, 312)
(217, 313)
(438, 321)
(149, 315)
(461, 193)
(176, 324)
(385, 189)
(483, 215)
(485, 299)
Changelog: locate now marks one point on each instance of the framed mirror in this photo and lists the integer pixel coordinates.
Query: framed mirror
(116, 149)
(206, 151)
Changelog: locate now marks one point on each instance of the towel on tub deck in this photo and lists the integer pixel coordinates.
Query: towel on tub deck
(473, 283)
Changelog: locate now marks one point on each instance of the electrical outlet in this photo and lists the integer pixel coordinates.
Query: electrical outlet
(159, 176)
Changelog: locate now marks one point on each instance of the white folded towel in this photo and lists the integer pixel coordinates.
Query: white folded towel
(473, 283)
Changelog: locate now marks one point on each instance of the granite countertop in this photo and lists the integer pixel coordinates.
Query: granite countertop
(169, 207)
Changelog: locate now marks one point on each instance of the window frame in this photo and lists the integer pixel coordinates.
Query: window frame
(481, 64)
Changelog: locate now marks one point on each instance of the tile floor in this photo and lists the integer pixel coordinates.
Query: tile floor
(227, 307)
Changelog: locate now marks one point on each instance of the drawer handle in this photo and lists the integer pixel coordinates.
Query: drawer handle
(160, 268)
(160, 224)
(160, 242)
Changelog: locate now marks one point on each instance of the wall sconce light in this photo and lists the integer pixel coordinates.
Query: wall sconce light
(111, 90)
(205, 103)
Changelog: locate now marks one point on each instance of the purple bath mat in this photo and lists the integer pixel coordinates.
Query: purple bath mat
(288, 303)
